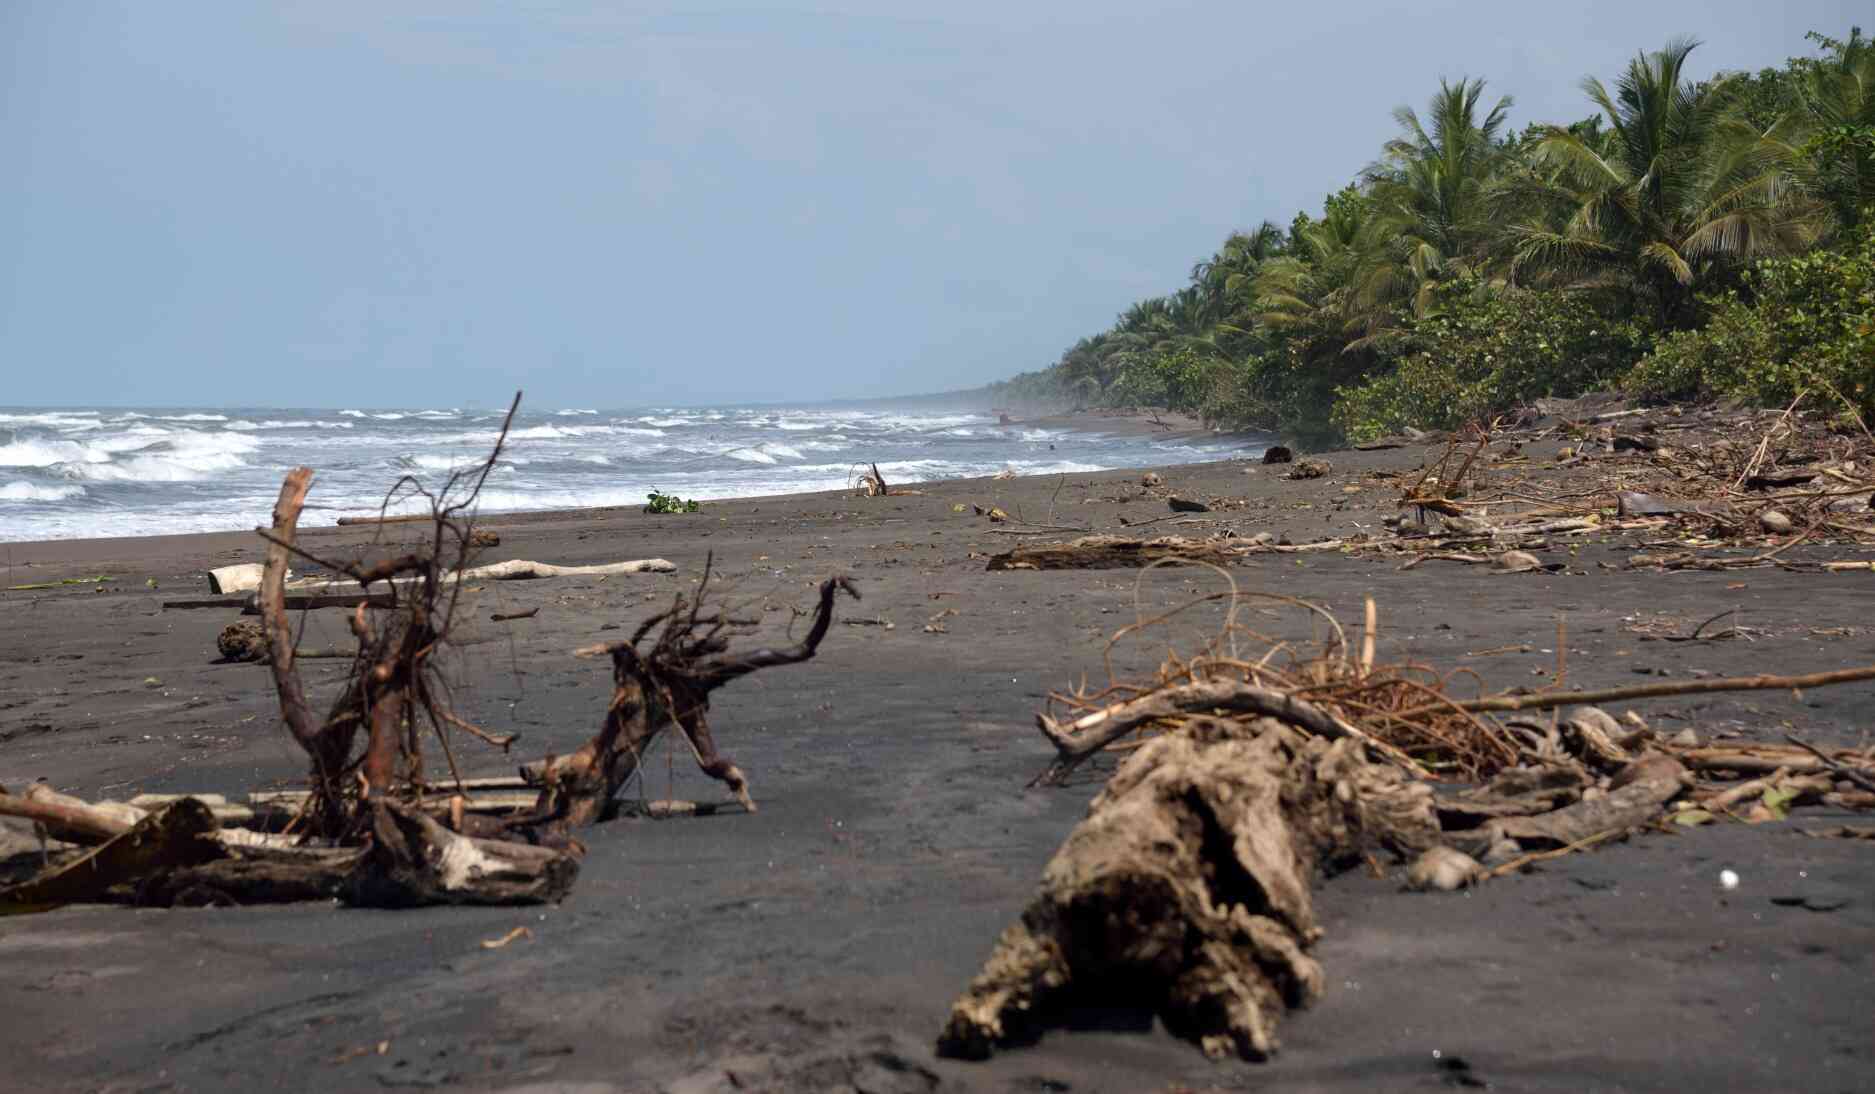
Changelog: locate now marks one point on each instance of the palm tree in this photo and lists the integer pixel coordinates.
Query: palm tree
(1431, 190)
(1836, 125)
(1672, 190)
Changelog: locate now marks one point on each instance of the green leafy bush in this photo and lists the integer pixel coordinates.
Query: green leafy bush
(1799, 324)
(1478, 352)
(670, 503)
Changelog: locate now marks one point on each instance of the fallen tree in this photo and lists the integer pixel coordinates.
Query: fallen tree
(1240, 779)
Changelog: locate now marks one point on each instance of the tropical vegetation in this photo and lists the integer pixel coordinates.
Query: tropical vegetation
(1688, 238)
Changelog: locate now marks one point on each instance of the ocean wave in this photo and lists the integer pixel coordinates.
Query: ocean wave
(573, 413)
(351, 413)
(191, 417)
(54, 419)
(21, 490)
(660, 423)
(244, 425)
(393, 416)
(173, 457)
(749, 455)
(31, 453)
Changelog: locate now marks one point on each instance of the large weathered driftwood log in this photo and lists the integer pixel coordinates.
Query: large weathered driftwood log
(1185, 891)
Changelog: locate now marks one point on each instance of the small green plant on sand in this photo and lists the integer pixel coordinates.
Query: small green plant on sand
(670, 503)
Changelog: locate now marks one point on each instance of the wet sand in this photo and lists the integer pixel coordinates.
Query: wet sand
(817, 944)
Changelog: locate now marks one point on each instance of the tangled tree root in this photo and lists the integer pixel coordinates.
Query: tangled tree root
(1186, 888)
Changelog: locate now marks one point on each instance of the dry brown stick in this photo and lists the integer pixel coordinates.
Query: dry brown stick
(503, 617)
(1836, 766)
(1522, 861)
(1548, 700)
(1728, 798)
(347, 522)
(1367, 637)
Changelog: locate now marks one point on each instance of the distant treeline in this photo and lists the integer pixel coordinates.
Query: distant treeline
(1688, 239)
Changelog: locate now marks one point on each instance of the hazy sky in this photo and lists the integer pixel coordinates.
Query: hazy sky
(392, 204)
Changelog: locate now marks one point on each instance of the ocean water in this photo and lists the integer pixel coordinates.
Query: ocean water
(111, 472)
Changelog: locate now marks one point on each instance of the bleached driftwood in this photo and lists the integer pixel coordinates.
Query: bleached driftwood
(228, 580)
(512, 570)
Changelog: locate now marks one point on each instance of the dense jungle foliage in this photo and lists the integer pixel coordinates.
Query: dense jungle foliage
(1688, 239)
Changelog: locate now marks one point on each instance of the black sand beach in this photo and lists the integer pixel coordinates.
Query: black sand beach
(817, 944)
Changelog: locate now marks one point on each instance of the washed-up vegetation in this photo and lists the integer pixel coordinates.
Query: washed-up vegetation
(1689, 238)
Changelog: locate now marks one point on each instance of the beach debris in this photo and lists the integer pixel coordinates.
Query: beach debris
(1187, 888)
(1187, 505)
(372, 828)
(1443, 869)
(1309, 468)
(167, 839)
(872, 481)
(1150, 479)
(60, 583)
(243, 640)
(507, 617)
(667, 684)
(1278, 453)
(1115, 906)
(1517, 562)
(227, 580)
(1114, 552)
(1004, 475)
(512, 935)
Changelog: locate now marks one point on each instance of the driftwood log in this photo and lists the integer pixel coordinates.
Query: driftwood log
(669, 684)
(1113, 553)
(1185, 891)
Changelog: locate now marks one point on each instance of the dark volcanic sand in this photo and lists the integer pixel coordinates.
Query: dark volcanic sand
(817, 944)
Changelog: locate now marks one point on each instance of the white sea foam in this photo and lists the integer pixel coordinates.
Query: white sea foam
(21, 490)
(749, 455)
(572, 413)
(32, 453)
(391, 417)
(352, 413)
(191, 417)
(275, 423)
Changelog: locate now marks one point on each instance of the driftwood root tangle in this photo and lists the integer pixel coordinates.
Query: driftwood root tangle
(1185, 890)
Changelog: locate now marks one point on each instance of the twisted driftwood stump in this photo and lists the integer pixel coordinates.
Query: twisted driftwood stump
(1186, 888)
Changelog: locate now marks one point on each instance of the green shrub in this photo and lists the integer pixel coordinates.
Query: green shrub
(1799, 324)
(1477, 353)
(670, 503)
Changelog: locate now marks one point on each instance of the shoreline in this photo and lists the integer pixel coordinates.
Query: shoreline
(1110, 423)
(895, 839)
(1092, 423)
